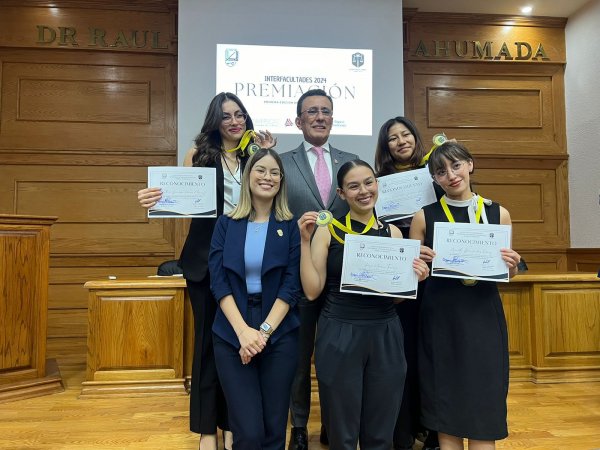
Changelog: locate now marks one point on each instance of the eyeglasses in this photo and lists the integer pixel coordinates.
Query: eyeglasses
(262, 172)
(239, 118)
(314, 112)
(454, 168)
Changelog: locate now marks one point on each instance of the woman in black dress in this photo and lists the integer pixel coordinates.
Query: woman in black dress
(219, 145)
(463, 344)
(400, 149)
(359, 356)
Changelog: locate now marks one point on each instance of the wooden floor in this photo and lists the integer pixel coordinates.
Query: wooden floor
(542, 416)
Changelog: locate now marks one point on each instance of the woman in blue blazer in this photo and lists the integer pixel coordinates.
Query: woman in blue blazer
(254, 271)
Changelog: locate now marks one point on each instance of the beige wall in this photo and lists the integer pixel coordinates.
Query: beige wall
(583, 124)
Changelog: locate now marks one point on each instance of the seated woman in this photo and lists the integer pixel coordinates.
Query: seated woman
(359, 354)
(463, 344)
(254, 266)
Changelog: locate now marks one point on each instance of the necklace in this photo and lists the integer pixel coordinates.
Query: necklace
(229, 170)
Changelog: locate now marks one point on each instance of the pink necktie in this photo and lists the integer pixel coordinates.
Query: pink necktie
(322, 176)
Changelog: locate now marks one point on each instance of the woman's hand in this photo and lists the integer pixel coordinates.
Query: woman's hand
(149, 197)
(426, 254)
(421, 268)
(251, 342)
(512, 260)
(244, 357)
(265, 139)
(307, 224)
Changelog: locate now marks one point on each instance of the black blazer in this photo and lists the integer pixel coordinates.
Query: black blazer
(194, 254)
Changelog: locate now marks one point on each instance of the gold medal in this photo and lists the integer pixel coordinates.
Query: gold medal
(468, 282)
(439, 139)
(324, 218)
(252, 149)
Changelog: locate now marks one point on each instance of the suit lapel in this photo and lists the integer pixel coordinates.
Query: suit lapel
(276, 245)
(306, 172)
(337, 160)
(235, 239)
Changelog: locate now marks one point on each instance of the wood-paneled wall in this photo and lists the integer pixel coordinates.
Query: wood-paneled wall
(81, 118)
(509, 111)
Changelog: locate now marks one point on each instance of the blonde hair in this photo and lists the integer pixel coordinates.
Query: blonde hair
(244, 208)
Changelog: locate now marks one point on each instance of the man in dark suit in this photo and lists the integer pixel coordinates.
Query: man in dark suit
(311, 172)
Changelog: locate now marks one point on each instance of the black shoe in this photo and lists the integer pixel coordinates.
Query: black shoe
(324, 439)
(298, 439)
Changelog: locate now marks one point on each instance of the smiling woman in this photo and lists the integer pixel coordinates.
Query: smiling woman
(255, 332)
(463, 344)
(359, 400)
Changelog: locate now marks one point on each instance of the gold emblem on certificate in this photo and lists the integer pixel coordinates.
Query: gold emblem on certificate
(324, 218)
(439, 139)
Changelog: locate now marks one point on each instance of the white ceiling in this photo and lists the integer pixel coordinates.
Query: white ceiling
(554, 8)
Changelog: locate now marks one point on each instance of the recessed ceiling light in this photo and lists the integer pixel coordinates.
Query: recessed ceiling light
(526, 9)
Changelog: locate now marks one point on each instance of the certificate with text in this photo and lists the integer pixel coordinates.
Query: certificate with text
(403, 194)
(470, 251)
(376, 265)
(186, 191)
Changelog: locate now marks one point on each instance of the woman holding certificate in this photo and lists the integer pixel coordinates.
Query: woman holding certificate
(254, 270)
(463, 346)
(359, 356)
(221, 144)
(400, 149)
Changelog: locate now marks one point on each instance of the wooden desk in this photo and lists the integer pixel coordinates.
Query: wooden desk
(141, 333)
(553, 326)
(135, 338)
(24, 258)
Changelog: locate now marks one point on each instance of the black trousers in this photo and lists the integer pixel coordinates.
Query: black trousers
(361, 370)
(258, 393)
(208, 409)
(407, 425)
(300, 396)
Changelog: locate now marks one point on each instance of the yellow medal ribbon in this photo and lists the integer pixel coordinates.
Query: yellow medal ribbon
(348, 227)
(249, 134)
(451, 217)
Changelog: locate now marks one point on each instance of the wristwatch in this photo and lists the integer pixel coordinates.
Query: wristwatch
(266, 328)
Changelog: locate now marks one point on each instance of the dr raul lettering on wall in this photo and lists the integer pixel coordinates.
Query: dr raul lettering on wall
(99, 38)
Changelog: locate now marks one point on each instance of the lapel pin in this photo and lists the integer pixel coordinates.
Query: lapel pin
(335, 161)
(280, 232)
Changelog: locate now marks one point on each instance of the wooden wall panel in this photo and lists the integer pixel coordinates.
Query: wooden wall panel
(126, 103)
(495, 108)
(509, 112)
(80, 120)
(47, 100)
(539, 261)
(584, 259)
(530, 195)
(97, 207)
(517, 305)
(569, 328)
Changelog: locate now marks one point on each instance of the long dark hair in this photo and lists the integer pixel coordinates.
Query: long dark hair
(208, 143)
(347, 167)
(451, 151)
(384, 162)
